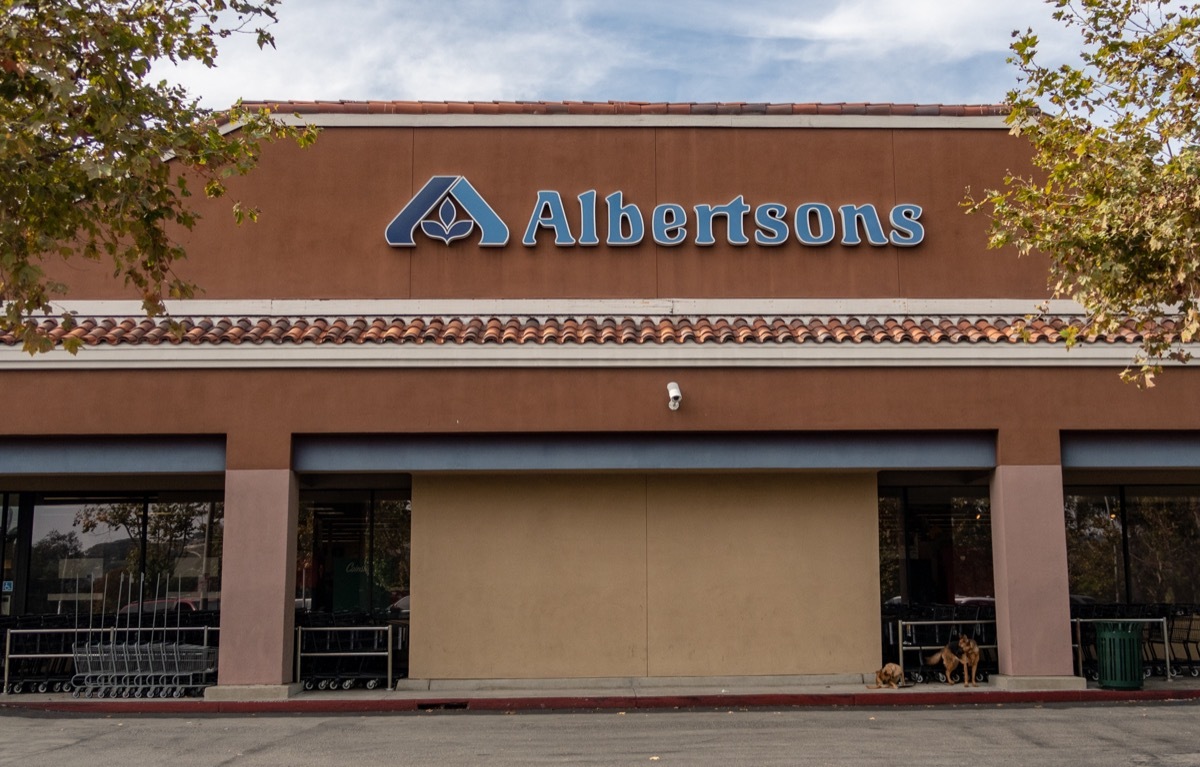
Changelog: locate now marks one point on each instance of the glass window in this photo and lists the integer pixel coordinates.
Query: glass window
(183, 550)
(1164, 536)
(353, 552)
(82, 556)
(935, 545)
(891, 548)
(1134, 544)
(393, 552)
(1095, 545)
(8, 551)
(103, 555)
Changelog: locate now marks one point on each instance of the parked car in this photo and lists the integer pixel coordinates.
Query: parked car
(186, 604)
(401, 606)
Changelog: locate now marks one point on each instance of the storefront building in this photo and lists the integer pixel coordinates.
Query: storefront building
(594, 391)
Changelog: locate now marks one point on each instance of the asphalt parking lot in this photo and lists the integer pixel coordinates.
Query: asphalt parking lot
(1092, 734)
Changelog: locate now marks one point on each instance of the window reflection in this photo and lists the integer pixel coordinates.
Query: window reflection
(106, 555)
(1095, 546)
(1131, 544)
(353, 553)
(8, 551)
(1164, 533)
(935, 545)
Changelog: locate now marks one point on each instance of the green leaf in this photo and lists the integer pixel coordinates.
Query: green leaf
(1117, 206)
(97, 161)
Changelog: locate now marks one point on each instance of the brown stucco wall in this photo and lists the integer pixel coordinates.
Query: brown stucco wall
(644, 575)
(324, 210)
(260, 410)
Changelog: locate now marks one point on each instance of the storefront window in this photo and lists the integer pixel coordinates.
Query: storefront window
(393, 553)
(99, 556)
(76, 565)
(935, 545)
(1131, 544)
(183, 548)
(1095, 546)
(891, 548)
(8, 551)
(1164, 544)
(353, 553)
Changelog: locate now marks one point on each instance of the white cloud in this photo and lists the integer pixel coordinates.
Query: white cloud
(879, 27)
(705, 50)
(388, 50)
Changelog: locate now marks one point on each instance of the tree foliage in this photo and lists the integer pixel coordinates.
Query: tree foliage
(170, 530)
(97, 158)
(1162, 532)
(1115, 200)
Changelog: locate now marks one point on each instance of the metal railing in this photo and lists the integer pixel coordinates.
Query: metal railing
(109, 657)
(903, 647)
(352, 647)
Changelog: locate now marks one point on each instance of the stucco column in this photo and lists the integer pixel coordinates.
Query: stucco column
(1029, 554)
(258, 581)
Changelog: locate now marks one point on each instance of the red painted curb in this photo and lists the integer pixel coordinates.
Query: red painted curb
(628, 702)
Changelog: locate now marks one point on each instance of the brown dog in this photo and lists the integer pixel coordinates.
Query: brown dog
(888, 676)
(946, 657)
(969, 650)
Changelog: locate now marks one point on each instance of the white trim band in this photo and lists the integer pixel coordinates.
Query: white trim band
(372, 355)
(522, 307)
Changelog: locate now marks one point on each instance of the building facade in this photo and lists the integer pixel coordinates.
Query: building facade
(589, 390)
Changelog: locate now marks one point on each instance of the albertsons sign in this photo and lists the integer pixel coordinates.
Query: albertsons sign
(448, 208)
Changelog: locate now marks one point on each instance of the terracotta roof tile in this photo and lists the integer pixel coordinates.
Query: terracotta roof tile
(563, 330)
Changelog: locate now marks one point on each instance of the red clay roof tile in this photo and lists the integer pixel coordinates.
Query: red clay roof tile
(737, 330)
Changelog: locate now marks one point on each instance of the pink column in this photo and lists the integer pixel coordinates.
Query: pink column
(1029, 554)
(258, 580)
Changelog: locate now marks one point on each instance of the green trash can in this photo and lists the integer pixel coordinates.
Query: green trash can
(1119, 652)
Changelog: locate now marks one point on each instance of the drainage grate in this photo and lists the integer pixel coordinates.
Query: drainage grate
(442, 705)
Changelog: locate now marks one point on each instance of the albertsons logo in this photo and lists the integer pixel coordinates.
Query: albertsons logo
(446, 195)
(448, 208)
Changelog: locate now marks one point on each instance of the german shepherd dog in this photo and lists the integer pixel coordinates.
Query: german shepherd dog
(946, 657)
(888, 676)
(968, 648)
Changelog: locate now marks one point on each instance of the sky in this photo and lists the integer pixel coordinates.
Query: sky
(902, 51)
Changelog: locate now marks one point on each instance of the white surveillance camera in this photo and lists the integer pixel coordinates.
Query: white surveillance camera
(674, 396)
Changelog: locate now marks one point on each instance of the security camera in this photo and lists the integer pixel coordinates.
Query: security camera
(674, 396)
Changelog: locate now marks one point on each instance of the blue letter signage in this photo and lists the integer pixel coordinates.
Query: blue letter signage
(435, 210)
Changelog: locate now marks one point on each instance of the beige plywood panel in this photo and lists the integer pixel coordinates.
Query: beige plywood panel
(528, 576)
(762, 574)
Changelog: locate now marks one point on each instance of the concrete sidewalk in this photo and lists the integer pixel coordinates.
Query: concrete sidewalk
(740, 692)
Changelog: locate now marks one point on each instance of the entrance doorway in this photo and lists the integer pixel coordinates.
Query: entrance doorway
(353, 556)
